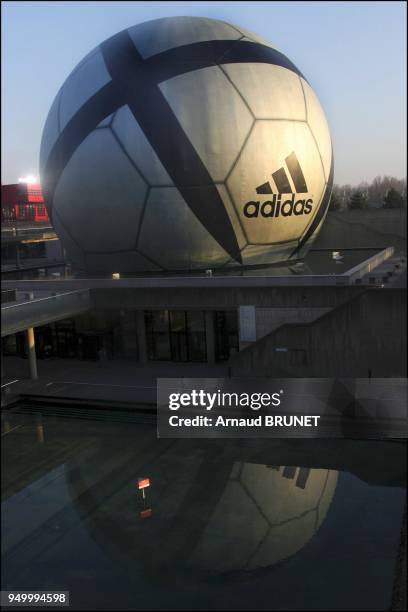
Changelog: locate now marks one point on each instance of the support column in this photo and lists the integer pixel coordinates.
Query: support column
(141, 336)
(2, 362)
(6, 423)
(210, 336)
(32, 359)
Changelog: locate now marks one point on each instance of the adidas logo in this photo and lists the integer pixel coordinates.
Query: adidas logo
(275, 207)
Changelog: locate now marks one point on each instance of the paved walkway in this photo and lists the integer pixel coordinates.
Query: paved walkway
(118, 381)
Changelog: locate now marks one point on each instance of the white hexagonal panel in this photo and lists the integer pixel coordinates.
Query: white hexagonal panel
(258, 254)
(131, 136)
(232, 213)
(100, 196)
(84, 82)
(271, 92)
(266, 217)
(212, 115)
(248, 35)
(76, 254)
(319, 126)
(172, 235)
(83, 61)
(162, 34)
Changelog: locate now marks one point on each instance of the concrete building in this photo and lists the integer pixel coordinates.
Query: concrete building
(297, 325)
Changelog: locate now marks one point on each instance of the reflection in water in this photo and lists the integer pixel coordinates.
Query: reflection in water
(40, 428)
(264, 515)
(260, 514)
(197, 524)
(6, 427)
(143, 484)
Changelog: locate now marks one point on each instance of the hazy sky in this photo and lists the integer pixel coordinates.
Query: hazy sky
(352, 53)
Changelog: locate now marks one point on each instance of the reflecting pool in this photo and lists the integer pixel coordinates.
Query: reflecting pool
(95, 504)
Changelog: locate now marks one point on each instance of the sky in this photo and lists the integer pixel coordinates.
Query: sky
(352, 53)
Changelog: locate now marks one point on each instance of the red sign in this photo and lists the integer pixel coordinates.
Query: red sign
(142, 483)
(146, 513)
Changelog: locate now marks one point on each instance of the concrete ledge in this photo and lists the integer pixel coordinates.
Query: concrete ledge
(22, 315)
(217, 281)
(369, 264)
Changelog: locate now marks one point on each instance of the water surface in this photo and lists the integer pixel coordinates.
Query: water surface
(224, 524)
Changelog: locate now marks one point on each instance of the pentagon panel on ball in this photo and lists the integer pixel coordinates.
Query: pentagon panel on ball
(185, 143)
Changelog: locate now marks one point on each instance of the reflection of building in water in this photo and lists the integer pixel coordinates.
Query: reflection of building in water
(210, 513)
(265, 514)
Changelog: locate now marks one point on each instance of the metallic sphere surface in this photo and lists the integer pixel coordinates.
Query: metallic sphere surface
(185, 143)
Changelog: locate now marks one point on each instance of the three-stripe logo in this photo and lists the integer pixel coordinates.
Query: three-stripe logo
(281, 179)
(275, 207)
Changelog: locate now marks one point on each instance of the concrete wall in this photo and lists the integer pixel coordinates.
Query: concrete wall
(223, 298)
(366, 333)
(269, 319)
(9, 295)
(359, 228)
(361, 270)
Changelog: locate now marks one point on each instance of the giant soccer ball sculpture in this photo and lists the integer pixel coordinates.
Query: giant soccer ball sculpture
(185, 143)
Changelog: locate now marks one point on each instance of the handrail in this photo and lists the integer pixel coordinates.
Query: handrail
(43, 310)
(48, 297)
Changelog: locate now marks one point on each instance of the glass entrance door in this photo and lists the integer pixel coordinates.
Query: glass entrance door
(176, 335)
(66, 343)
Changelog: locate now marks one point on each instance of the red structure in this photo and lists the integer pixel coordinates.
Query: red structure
(23, 202)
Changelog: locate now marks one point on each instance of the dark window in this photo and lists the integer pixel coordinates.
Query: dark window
(157, 335)
(178, 336)
(197, 345)
(226, 334)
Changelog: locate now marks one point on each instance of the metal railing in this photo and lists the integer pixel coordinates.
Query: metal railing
(29, 224)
